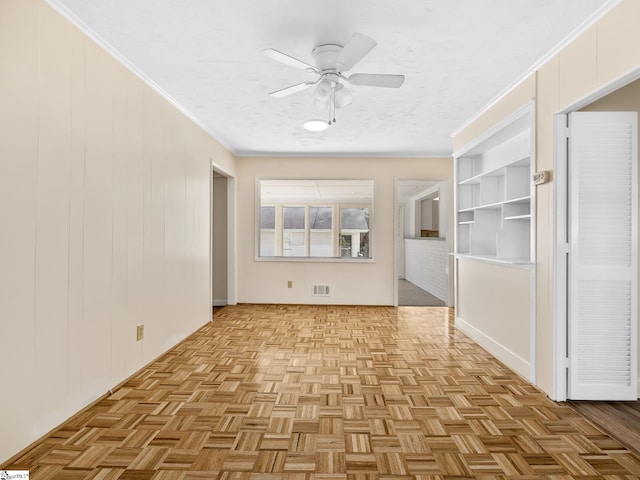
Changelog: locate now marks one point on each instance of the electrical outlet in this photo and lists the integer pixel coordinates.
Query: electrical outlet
(139, 332)
(290, 284)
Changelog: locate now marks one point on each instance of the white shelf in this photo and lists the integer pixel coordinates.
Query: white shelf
(477, 178)
(521, 262)
(496, 172)
(494, 195)
(497, 204)
(525, 199)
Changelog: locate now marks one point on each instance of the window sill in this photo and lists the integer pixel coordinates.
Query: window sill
(315, 260)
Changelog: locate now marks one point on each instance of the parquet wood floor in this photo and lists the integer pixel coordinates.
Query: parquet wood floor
(270, 392)
(621, 420)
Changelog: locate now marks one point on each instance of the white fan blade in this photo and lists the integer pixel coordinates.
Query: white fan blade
(288, 60)
(292, 89)
(354, 51)
(376, 80)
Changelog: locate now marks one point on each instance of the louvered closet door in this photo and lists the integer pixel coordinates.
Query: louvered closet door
(603, 256)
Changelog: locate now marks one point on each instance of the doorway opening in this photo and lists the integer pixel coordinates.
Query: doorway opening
(421, 243)
(596, 246)
(219, 240)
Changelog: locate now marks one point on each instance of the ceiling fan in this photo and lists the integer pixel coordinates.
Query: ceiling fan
(331, 60)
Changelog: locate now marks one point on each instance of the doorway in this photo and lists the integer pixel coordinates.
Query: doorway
(421, 244)
(219, 243)
(596, 259)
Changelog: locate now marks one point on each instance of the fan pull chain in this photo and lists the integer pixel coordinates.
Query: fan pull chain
(333, 104)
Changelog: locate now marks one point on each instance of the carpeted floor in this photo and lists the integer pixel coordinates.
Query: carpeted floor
(412, 295)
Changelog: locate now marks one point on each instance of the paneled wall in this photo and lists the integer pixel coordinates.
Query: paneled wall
(104, 222)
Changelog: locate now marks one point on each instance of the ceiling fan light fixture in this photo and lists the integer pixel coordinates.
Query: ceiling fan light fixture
(331, 60)
(323, 90)
(343, 96)
(315, 125)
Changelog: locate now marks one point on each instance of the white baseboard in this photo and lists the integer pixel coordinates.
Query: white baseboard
(217, 302)
(502, 353)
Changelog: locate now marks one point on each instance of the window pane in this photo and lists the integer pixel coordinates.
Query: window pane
(345, 245)
(354, 232)
(267, 243)
(321, 236)
(267, 231)
(293, 244)
(268, 217)
(293, 218)
(321, 244)
(320, 218)
(293, 233)
(354, 218)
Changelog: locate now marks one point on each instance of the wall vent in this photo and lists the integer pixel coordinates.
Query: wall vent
(321, 290)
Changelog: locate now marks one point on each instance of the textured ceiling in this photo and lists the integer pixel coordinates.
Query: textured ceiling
(457, 56)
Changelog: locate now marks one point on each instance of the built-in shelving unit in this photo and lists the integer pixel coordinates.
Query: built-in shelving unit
(495, 194)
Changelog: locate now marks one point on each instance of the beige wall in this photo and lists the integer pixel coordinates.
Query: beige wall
(493, 308)
(625, 99)
(604, 52)
(351, 283)
(104, 207)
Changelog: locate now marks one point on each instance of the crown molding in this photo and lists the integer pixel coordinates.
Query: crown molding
(338, 154)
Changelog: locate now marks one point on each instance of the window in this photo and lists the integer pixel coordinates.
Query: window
(354, 232)
(267, 231)
(320, 229)
(293, 232)
(315, 218)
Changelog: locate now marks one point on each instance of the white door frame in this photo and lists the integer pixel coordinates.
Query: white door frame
(560, 265)
(396, 203)
(560, 261)
(400, 241)
(232, 263)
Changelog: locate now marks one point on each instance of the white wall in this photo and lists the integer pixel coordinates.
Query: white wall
(426, 265)
(363, 283)
(105, 215)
